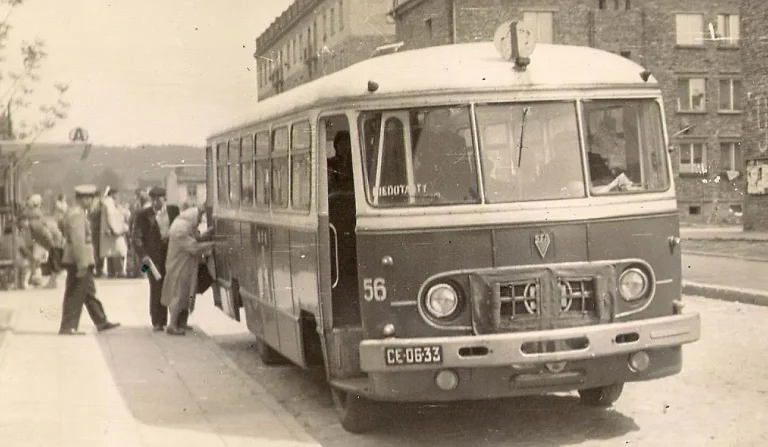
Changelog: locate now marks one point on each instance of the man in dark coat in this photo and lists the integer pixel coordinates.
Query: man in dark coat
(150, 241)
(78, 259)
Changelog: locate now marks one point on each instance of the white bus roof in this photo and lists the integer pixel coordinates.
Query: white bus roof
(471, 67)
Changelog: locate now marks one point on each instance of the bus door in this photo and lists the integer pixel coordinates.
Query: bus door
(341, 221)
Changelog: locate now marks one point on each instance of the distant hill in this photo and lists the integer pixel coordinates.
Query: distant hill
(129, 166)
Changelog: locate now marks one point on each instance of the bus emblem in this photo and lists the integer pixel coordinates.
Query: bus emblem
(542, 241)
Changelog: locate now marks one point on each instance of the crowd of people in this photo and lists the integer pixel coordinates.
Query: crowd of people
(100, 235)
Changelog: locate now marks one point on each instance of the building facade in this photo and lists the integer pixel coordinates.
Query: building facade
(755, 49)
(693, 47)
(313, 38)
(185, 186)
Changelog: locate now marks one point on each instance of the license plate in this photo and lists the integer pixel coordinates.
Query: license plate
(415, 355)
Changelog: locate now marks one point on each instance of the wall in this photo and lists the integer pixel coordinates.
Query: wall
(755, 49)
(646, 33)
(359, 26)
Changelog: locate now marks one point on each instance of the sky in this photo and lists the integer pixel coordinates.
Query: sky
(144, 71)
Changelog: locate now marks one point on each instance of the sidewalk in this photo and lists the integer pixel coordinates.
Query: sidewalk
(728, 279)
(128, 387)
(722, 233)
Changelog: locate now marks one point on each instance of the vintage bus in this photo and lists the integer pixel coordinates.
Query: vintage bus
(460, 222)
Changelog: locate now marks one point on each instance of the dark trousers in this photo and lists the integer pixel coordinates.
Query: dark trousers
(157, 312)
(79, 291)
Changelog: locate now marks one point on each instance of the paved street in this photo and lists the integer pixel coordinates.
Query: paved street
(720, 399)
(725, 272)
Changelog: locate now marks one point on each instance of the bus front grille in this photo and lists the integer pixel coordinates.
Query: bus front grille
(530, 305)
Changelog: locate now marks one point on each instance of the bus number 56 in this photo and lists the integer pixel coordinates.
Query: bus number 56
(375, 288)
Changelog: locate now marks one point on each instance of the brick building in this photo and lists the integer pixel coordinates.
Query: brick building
(691, 46)
(313, 38)
(755, 53)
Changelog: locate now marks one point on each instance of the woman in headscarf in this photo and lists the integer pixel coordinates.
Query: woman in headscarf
(185, 254)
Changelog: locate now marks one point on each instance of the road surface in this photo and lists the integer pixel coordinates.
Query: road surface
(720, 398)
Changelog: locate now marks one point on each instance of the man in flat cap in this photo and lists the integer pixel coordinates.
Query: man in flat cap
(79, 261)
(150, 241)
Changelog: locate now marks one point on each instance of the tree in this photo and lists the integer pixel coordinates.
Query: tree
(17, 86)
(108, 177)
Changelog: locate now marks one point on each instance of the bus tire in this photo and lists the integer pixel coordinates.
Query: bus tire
(356, 413)
(601, 397)
(268, 355)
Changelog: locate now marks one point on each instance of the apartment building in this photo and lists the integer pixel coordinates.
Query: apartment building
(313, 38)
(755, 60)
(693, 47)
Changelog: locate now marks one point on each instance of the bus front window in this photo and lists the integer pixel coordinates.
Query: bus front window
(544, 164)
(625, 146)
(419, 157)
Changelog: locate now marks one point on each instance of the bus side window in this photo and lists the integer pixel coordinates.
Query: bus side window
(262, 170)
(279, 160)
(222, 174)
(301, 169)
(246, 170)
(234, 173)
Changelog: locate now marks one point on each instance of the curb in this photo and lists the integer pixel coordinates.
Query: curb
(724, 293)
(723, 255)
(289, 421)
(722, 239)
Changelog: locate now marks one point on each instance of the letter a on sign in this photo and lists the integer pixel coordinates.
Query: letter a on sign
(78, 134)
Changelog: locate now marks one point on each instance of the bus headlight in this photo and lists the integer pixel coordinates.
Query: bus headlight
(634, 284)
(441, 301)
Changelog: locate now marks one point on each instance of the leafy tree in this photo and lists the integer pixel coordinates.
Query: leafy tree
(108, 177)
(17, 86)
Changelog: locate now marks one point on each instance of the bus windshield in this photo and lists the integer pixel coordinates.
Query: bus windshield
(528, 151)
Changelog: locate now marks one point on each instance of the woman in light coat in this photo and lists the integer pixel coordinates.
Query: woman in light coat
(185, 254)
(112, 247)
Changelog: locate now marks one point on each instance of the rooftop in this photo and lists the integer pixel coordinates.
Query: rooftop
(471, 67)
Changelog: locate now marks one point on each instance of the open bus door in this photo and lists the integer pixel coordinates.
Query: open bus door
(224, 301)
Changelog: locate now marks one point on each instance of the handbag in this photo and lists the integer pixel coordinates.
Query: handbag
(204, 279)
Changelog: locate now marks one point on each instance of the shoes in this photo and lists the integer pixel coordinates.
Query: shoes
(187, 327)
(107, 326)
(170, 330)
(71, 332)
(158, 328)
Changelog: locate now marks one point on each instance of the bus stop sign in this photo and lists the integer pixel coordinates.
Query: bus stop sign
(78, 134)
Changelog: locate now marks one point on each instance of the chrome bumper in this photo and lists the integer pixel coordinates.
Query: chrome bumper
(506, 349)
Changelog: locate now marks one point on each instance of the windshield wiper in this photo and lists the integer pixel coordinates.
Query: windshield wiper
(522, 136)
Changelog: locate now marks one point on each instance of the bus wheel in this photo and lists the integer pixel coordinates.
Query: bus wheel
(268, 355)
(601, 397)
(356, 413)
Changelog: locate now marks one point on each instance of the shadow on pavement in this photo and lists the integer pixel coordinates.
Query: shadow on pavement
(536, 420)
(181, 383)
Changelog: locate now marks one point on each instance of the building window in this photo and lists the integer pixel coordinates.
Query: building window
(325, 26)
(601, 4)
(689, 29)
(332, 21)
(736, 209)
(428, 25)
(693, 158)
(694, 210)
(628, 5)
(692, 95)
(541, 24)
(728, 28)
(341, 14)
(730, 95)
(616, 4)
(730, 157)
